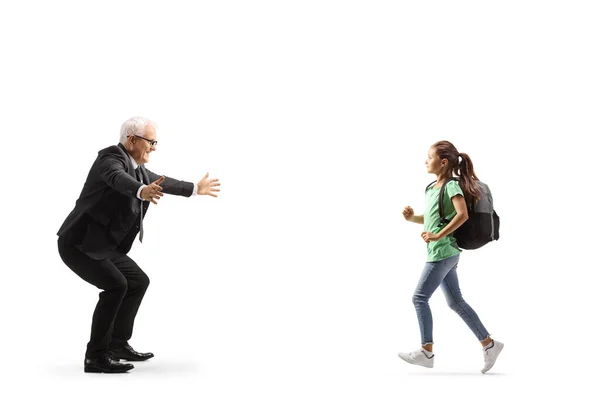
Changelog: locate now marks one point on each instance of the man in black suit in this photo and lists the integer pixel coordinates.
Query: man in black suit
(97, 235)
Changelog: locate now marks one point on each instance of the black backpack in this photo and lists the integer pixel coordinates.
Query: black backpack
(483, 224)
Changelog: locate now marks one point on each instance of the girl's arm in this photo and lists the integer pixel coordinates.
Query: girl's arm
(417, 219)
(462, 214)
(409, 215)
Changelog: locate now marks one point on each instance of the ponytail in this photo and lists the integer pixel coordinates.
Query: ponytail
(466, 178)
(460, 164)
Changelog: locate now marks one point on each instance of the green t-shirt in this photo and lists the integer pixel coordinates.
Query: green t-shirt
(446, 247)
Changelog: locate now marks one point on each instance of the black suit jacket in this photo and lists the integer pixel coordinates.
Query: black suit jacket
(106, 216)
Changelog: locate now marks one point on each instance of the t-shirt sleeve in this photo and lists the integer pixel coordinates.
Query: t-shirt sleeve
(453, 189)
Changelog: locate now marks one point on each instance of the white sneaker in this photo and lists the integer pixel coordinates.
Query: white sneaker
(420, 357)
(490, 354)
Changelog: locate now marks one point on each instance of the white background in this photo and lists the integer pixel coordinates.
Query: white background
(296, 282)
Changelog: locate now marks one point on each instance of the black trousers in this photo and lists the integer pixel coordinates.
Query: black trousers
(123, 285)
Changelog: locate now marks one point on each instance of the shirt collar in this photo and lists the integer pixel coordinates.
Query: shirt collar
(135, 165)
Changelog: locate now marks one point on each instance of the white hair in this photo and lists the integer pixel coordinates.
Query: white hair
(135, 126)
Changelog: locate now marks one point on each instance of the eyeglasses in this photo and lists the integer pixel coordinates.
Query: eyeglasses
(152, 142)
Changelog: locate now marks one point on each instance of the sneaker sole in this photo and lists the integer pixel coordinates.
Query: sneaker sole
(410, 362)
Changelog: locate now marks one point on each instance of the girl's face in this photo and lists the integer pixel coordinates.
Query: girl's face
(433, 163)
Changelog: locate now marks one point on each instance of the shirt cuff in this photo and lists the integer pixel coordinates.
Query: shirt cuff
(195, 191)
(139, 192)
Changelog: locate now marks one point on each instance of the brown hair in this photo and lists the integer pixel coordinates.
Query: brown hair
(462, 168)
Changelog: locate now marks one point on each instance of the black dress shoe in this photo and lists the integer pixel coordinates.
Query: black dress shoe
(129, 354)
(105, 363)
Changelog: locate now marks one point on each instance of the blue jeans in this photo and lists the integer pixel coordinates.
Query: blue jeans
(443, 273)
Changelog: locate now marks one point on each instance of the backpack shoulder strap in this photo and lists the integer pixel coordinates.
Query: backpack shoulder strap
(443, 219)
(428, 186)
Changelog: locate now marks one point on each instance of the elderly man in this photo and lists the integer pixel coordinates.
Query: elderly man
(97, 235)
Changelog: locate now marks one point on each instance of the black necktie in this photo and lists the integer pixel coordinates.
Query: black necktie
(138, 172)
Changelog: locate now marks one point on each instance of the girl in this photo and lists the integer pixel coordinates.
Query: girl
(444, 160)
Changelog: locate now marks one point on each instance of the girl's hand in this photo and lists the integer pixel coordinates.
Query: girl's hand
(430, 237)
(408, 213)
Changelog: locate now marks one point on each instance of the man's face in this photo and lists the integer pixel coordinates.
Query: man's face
(139, 148)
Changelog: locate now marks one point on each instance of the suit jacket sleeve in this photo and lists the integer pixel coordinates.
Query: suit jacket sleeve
(173, 186)
(113, 170)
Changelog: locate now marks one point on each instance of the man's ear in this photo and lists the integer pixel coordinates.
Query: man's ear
(131, 142)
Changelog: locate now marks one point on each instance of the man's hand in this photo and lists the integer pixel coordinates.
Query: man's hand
(153, 191)
(430, 237)
(208, 186)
